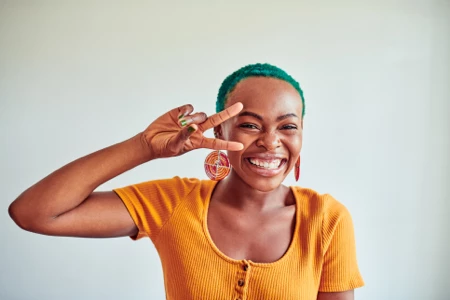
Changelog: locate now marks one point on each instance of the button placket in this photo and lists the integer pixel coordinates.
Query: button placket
(242, 280)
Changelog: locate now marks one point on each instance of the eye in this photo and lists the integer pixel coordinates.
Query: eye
(289, 127)
(249, 126)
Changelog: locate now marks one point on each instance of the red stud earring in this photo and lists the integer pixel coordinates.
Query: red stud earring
(297, 169)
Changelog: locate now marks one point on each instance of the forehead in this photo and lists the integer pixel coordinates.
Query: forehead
(266, 95)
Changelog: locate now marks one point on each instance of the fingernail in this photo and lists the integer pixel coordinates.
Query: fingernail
(183, 123)
(182, 115)
(191, 129)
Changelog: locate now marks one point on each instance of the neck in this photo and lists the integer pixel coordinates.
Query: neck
(233, 191)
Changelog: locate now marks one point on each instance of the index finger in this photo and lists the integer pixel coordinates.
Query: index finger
(221, 117)
(218, 144)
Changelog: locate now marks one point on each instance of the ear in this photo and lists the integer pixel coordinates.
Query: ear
(218, 132)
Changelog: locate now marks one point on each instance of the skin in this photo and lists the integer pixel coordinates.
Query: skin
(262, 118)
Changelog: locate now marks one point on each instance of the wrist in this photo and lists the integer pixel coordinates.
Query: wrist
(143, 149)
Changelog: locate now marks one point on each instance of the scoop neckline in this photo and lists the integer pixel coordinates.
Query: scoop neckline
(292, 244)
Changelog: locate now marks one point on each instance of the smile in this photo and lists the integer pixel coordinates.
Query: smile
(266, 167)
(270, 164)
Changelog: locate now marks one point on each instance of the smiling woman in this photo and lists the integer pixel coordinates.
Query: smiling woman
(244, 237)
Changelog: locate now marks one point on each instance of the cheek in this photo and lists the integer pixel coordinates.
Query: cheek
(245, 139)
(235, 135)
(299, 143)
(235, 158)
(294, 145)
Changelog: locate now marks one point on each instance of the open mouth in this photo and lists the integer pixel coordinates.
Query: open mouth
(268, 164)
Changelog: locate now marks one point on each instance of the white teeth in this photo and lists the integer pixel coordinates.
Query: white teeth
(272, 164)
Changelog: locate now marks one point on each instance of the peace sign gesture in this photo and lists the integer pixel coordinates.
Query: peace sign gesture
(180, 130)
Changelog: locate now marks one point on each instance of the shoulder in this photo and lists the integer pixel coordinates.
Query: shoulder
(169, 188)
(177, 183)
(330, 215)
(324, 210)
(313, 202)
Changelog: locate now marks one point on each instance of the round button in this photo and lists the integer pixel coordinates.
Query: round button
(241, 282)
(245, 267)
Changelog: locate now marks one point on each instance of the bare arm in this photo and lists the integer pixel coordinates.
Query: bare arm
(64, 204)
(347, 295)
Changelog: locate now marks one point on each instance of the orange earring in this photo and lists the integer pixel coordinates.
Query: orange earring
(297, 169)
(217, 165)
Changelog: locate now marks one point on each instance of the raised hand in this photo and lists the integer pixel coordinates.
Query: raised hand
(180, 130)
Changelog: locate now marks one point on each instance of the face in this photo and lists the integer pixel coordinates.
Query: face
(270, 127)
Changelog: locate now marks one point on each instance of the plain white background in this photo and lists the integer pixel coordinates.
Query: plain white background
(77, 76)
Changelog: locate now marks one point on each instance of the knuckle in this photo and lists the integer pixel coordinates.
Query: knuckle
(213, 121)
(203, 142)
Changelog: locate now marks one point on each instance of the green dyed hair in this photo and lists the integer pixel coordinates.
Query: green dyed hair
(254, 70)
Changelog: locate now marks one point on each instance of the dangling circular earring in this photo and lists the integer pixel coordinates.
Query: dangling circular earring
(217, 165)
(297, 169)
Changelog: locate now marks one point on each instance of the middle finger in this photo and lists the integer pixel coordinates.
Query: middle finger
(196, 118)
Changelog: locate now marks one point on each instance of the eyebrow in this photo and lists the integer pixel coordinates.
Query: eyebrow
(279, 118)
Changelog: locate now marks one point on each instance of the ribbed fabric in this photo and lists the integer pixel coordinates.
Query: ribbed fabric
(172, 212)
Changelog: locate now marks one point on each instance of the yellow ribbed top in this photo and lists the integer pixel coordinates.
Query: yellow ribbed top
(172, 212)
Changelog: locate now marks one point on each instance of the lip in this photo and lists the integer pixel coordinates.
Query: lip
(263, 171)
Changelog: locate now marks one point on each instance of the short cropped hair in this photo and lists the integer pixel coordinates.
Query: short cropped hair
(254, 70)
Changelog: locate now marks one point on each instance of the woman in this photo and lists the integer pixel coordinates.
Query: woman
(246, 236)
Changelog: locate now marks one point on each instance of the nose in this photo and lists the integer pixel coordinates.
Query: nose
(269, 140)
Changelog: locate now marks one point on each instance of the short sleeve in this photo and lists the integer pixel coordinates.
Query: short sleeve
(340, 270)
(152, 203)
